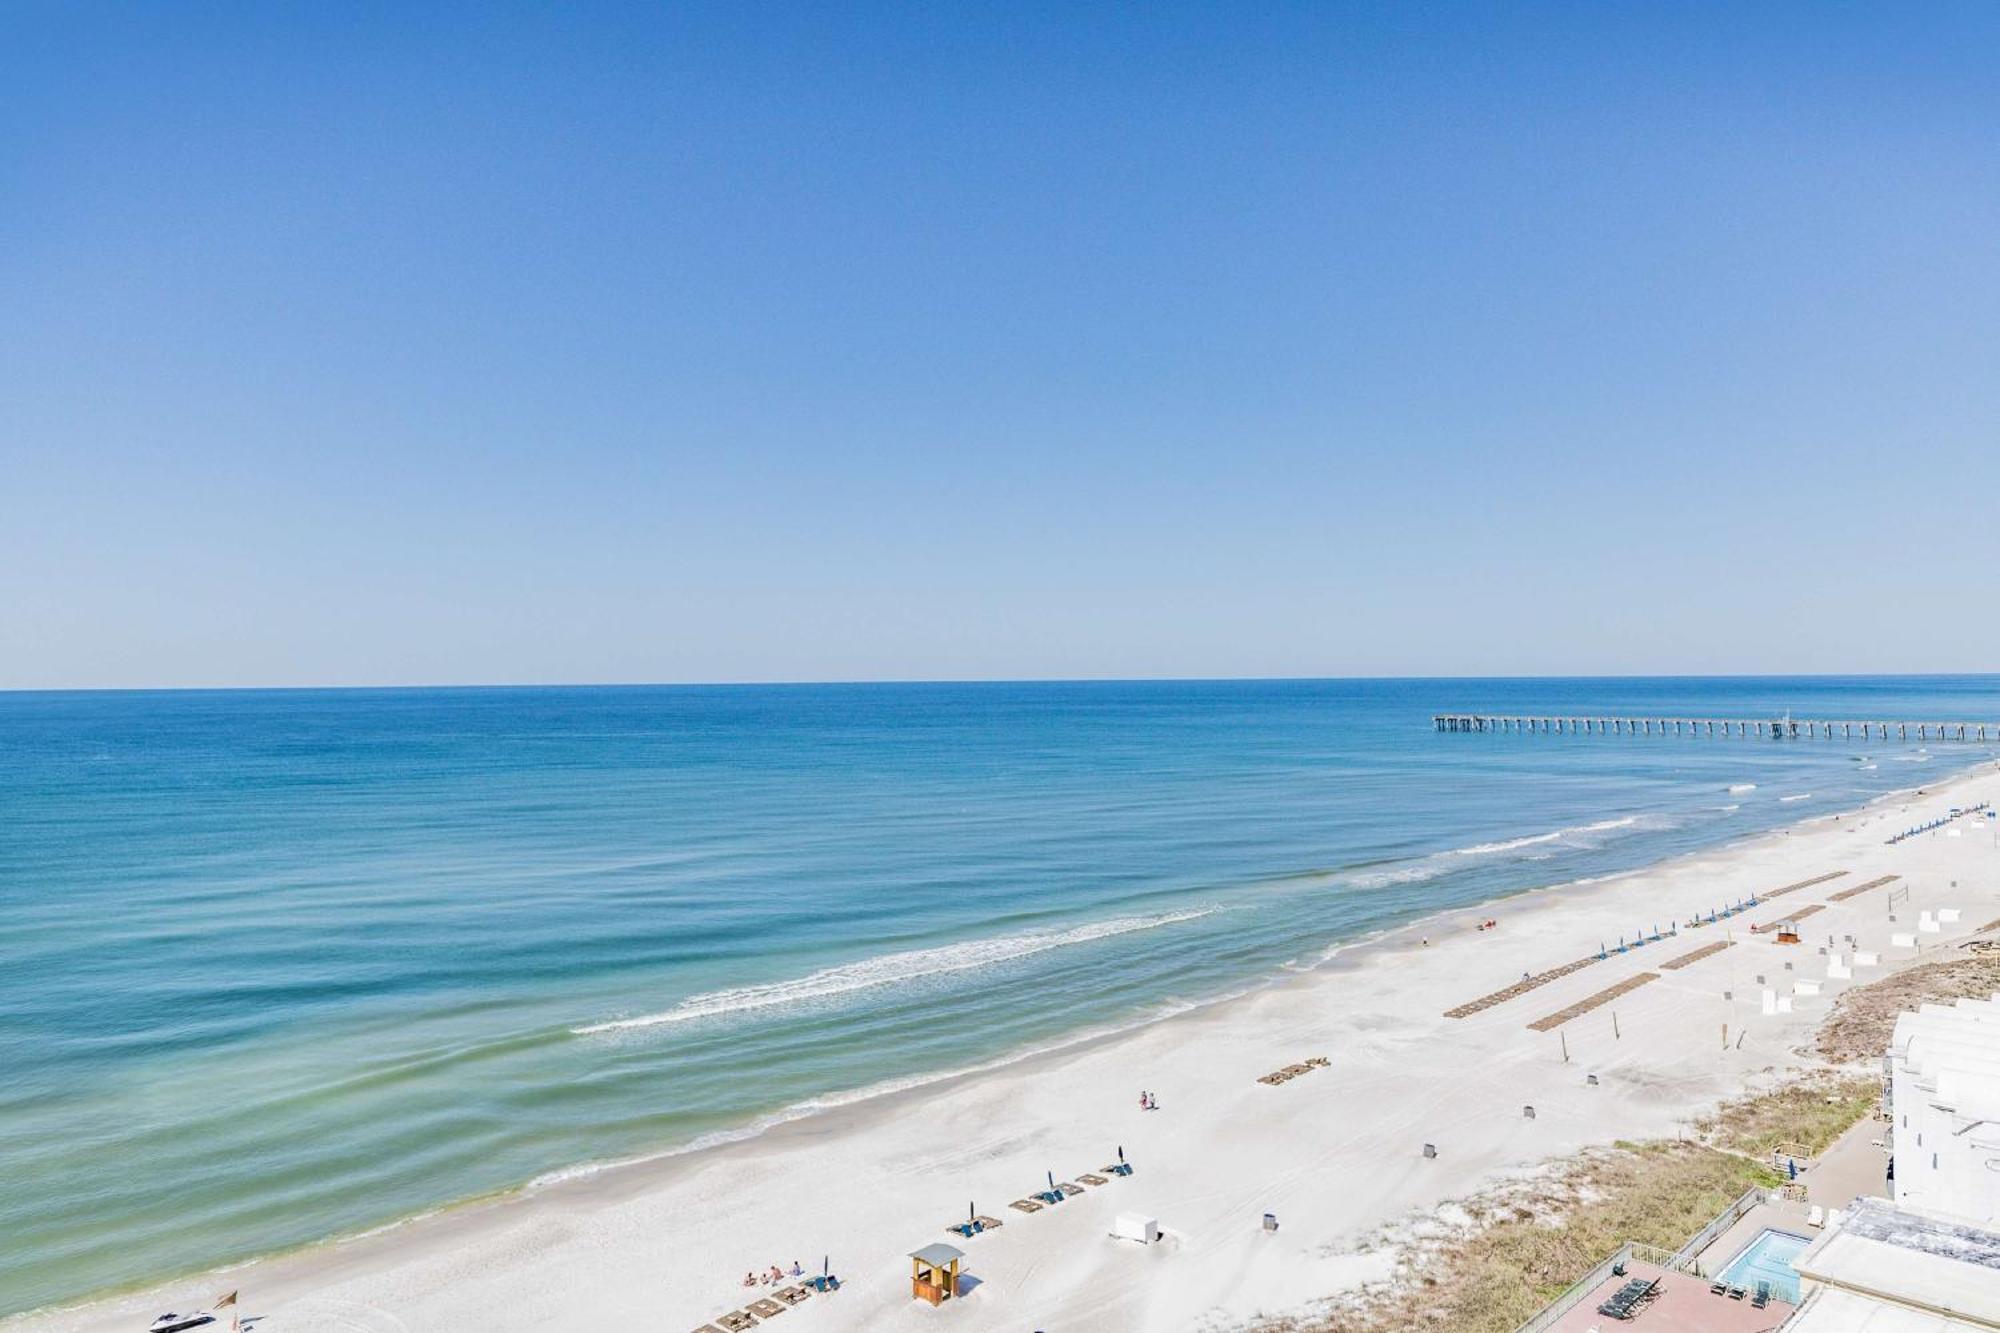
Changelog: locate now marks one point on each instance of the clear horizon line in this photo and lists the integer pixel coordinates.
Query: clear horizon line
(783, 683)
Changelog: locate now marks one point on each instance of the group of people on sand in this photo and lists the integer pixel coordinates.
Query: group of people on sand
(1148, 1102)
(1489, 924)
(772, 1275)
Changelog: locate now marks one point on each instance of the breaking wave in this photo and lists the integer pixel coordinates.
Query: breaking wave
(1534, 847)
(888, 969)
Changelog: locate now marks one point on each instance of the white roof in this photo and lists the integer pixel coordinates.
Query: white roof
(939, 1255)
(1836, 1311)
(1912, 1259)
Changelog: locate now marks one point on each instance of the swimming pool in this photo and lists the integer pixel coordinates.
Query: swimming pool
(1768, 1258)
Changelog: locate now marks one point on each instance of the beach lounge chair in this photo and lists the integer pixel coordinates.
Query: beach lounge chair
(737, 1320)
(1069, 1189)
(766, 1308)
(1026, 1205)
(1050, 1196)
(987, 1223)
(1816, 1216)
(791, 1295)
(708, 1328)
(1119, 1168)
(1090, 1179)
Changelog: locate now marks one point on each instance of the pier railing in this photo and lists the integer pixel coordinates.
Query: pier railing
(1775, 728)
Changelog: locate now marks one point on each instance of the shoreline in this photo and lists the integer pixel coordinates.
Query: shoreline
(811, 1126)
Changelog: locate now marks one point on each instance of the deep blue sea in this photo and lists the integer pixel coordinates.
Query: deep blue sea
(278, 966)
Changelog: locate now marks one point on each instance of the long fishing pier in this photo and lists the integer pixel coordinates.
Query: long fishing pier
(1784, 728)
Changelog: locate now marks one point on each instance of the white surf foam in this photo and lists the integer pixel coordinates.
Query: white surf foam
(889, 969)
(1742, 786)
(1583, 836)
(1802, 796)
(1515, 844)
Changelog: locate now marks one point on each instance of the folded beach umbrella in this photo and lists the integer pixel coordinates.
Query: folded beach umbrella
(1052, 1180)
(1121, 1152)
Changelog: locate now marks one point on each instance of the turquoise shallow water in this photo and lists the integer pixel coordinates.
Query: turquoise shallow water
(278, 966)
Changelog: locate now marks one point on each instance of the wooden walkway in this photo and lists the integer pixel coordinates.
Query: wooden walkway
(1860, 889)
(1808, 883)
(1686, 959)
(1521, 987)
(1775, 922)
(1584, 1006)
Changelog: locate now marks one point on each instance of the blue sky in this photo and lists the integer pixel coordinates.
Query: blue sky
(350, 344)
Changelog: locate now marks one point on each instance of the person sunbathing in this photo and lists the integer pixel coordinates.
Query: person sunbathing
(749, 1279)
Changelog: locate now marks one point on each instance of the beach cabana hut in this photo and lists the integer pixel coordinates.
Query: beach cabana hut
(934, 1273)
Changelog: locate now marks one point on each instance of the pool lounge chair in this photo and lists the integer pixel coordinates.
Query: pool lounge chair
(1627, 1301)
(1763, 1296)
(1737, 1293)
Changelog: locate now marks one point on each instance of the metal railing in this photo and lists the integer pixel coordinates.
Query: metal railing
(1577, 1293)
(1683, 1260)
(1674, 1261)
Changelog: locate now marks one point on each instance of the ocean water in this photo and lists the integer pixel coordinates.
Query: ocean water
(281, 966)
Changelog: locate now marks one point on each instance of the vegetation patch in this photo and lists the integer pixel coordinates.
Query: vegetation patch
(1810, 1114)
(1864, 1016)
(1508, 1252)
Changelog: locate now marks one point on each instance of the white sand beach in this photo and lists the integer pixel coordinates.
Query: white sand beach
(1334, 1153)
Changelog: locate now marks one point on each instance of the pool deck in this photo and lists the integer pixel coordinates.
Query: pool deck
(1684, 1305)
(1852, 1168)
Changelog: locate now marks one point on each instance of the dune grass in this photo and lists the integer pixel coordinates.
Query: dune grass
(1528, 1241)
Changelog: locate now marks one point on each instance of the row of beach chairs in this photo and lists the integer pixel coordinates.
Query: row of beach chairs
(1805, 884)
(1799, 915)
(768, 1307)
(1588, 1003)
(1290, 1072)
(1688, 959)
(1860, 889)
(1064, 1189)
(1521, 987)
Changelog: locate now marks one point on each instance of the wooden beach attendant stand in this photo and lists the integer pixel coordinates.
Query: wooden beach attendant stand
(934, 1273)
